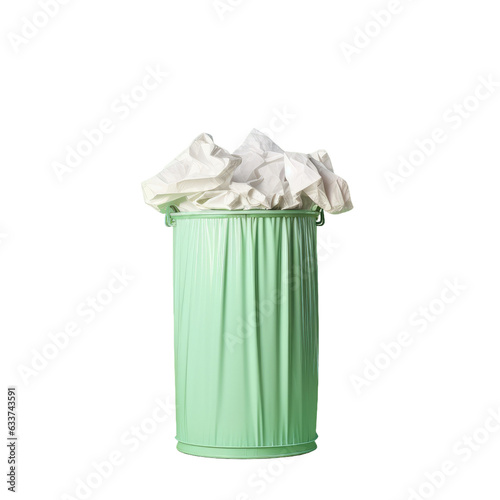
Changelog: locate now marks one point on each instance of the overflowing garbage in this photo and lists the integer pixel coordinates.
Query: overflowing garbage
(258, 175)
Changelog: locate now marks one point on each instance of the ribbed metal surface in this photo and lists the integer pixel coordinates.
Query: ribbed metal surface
(246, 334)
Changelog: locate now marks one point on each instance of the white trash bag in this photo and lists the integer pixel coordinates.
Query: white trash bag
(258, 175)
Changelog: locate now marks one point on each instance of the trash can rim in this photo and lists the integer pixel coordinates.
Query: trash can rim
(204, 214)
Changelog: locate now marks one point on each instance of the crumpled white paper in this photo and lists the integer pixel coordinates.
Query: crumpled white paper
(258, 175)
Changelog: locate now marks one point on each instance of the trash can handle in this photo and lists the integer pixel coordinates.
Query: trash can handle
(168, 218)
(321, 220)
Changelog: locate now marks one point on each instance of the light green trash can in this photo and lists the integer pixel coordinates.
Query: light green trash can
(246, 332)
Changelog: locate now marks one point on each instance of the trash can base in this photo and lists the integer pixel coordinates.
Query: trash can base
(256, 452)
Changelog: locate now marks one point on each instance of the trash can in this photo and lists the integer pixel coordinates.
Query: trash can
(245, 331)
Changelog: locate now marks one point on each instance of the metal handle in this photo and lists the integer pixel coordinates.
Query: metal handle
(168, 217)
(321, 220)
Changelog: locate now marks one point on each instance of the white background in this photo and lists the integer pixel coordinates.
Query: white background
(229, 71)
